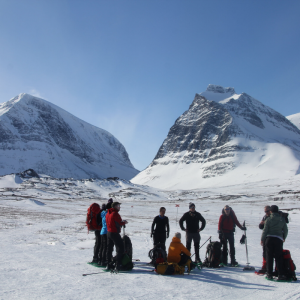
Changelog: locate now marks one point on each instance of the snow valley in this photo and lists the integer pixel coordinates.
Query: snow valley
(45, 247)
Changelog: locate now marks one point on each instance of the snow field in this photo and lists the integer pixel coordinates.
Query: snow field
(45, 248)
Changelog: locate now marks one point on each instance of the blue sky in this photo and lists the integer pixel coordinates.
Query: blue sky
(133, 67)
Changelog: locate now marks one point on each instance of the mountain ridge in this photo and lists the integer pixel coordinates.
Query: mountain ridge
(66, 145)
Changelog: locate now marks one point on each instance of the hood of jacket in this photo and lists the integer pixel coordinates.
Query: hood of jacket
(176, 240)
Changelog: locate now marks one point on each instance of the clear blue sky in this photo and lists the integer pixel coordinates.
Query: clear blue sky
(133, 67)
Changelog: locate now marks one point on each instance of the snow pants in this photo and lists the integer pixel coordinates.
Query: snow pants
(97, 245)
(160, 238)
(103, 248)
(114, 238)
(230, 238)
(193, 236)
(274, 247)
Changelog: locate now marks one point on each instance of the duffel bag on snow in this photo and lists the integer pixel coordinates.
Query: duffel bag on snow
(213, 255)
(288, 266)
(93, 217)
(126, 262)
(169, 269)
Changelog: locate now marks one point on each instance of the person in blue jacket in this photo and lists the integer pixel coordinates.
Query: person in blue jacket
(103, 234)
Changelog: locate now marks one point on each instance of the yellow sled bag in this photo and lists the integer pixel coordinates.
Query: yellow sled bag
(169, 269)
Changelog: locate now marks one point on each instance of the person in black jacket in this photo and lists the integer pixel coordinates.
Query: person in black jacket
(261, 225)
(161, 231)
(192, 219)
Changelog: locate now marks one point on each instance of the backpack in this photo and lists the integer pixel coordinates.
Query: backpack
(93, 218)
(127, 246)
(285, 216)
(230, 215)
(213, 255)
(127, 264)
(288, 266)
(157, 255)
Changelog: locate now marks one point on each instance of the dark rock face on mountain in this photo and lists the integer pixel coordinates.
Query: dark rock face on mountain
(217, 132)
(39, 135)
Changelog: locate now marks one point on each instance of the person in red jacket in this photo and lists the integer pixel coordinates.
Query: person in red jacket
(114, 224)
(226, 229)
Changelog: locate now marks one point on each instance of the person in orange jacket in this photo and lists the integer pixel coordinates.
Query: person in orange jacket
(175, 249)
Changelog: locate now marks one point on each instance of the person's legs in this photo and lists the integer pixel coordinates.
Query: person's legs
(269, 254)
(196, 239)
(224, 249)
(162, 240)
(110, 246)
(103, 248)
(118, 242)
(97, 246)
(232, 248)
(188, 237)
(278, 248)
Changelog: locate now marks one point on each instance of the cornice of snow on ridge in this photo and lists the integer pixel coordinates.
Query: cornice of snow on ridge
(216, 137)
(64, 145)
(295, 119)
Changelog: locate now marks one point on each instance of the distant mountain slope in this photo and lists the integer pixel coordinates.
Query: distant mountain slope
(37, 134)
(295, 119)
(224, 138)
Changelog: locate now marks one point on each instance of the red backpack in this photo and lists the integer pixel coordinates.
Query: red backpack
(93, 218)
(288, 266)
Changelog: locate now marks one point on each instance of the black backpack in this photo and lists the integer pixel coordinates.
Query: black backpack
(157, 255)
(285, 216)
(127, 245)
(213, 255)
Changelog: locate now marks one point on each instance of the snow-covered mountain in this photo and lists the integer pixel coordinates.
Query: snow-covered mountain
(295, 119)
(37, 134)
(224, 138)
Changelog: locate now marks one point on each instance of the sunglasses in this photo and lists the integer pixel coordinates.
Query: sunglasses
(267, 211)
(227, 208)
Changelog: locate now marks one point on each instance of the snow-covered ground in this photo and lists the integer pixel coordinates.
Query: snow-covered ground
(45, 246)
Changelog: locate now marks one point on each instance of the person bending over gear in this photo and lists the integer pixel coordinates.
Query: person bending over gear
(261, 225)
(226, 229)
(273, 236)
(192, 219)
(162, 229)
(114, 224)
(175, 250)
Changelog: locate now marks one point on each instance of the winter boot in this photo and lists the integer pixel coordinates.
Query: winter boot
(110, 266)
(197, 259)
(234, 263)
(268, 276)
(263, 269)
(281, 278)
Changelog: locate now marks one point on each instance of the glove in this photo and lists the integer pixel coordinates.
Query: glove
(151, 234)
(167, 235)
(221, 236)
(244, 228)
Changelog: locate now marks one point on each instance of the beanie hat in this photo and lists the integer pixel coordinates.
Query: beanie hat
(191, 204)
(274, 208)
(110, 200)
(178, 235)
(103, 207)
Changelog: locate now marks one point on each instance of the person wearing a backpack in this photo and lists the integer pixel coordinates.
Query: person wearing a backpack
(94, 223)
(103, 235)
(274, 234)
(226, 229)
(161, 231)
(192, 219)
(267, 210)
(114, 224)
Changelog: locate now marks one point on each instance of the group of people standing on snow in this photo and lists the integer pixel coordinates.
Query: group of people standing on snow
(273, 225)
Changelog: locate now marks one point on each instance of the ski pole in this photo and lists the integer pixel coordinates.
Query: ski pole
(246, 243)
(203, 244)
(93, 273)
